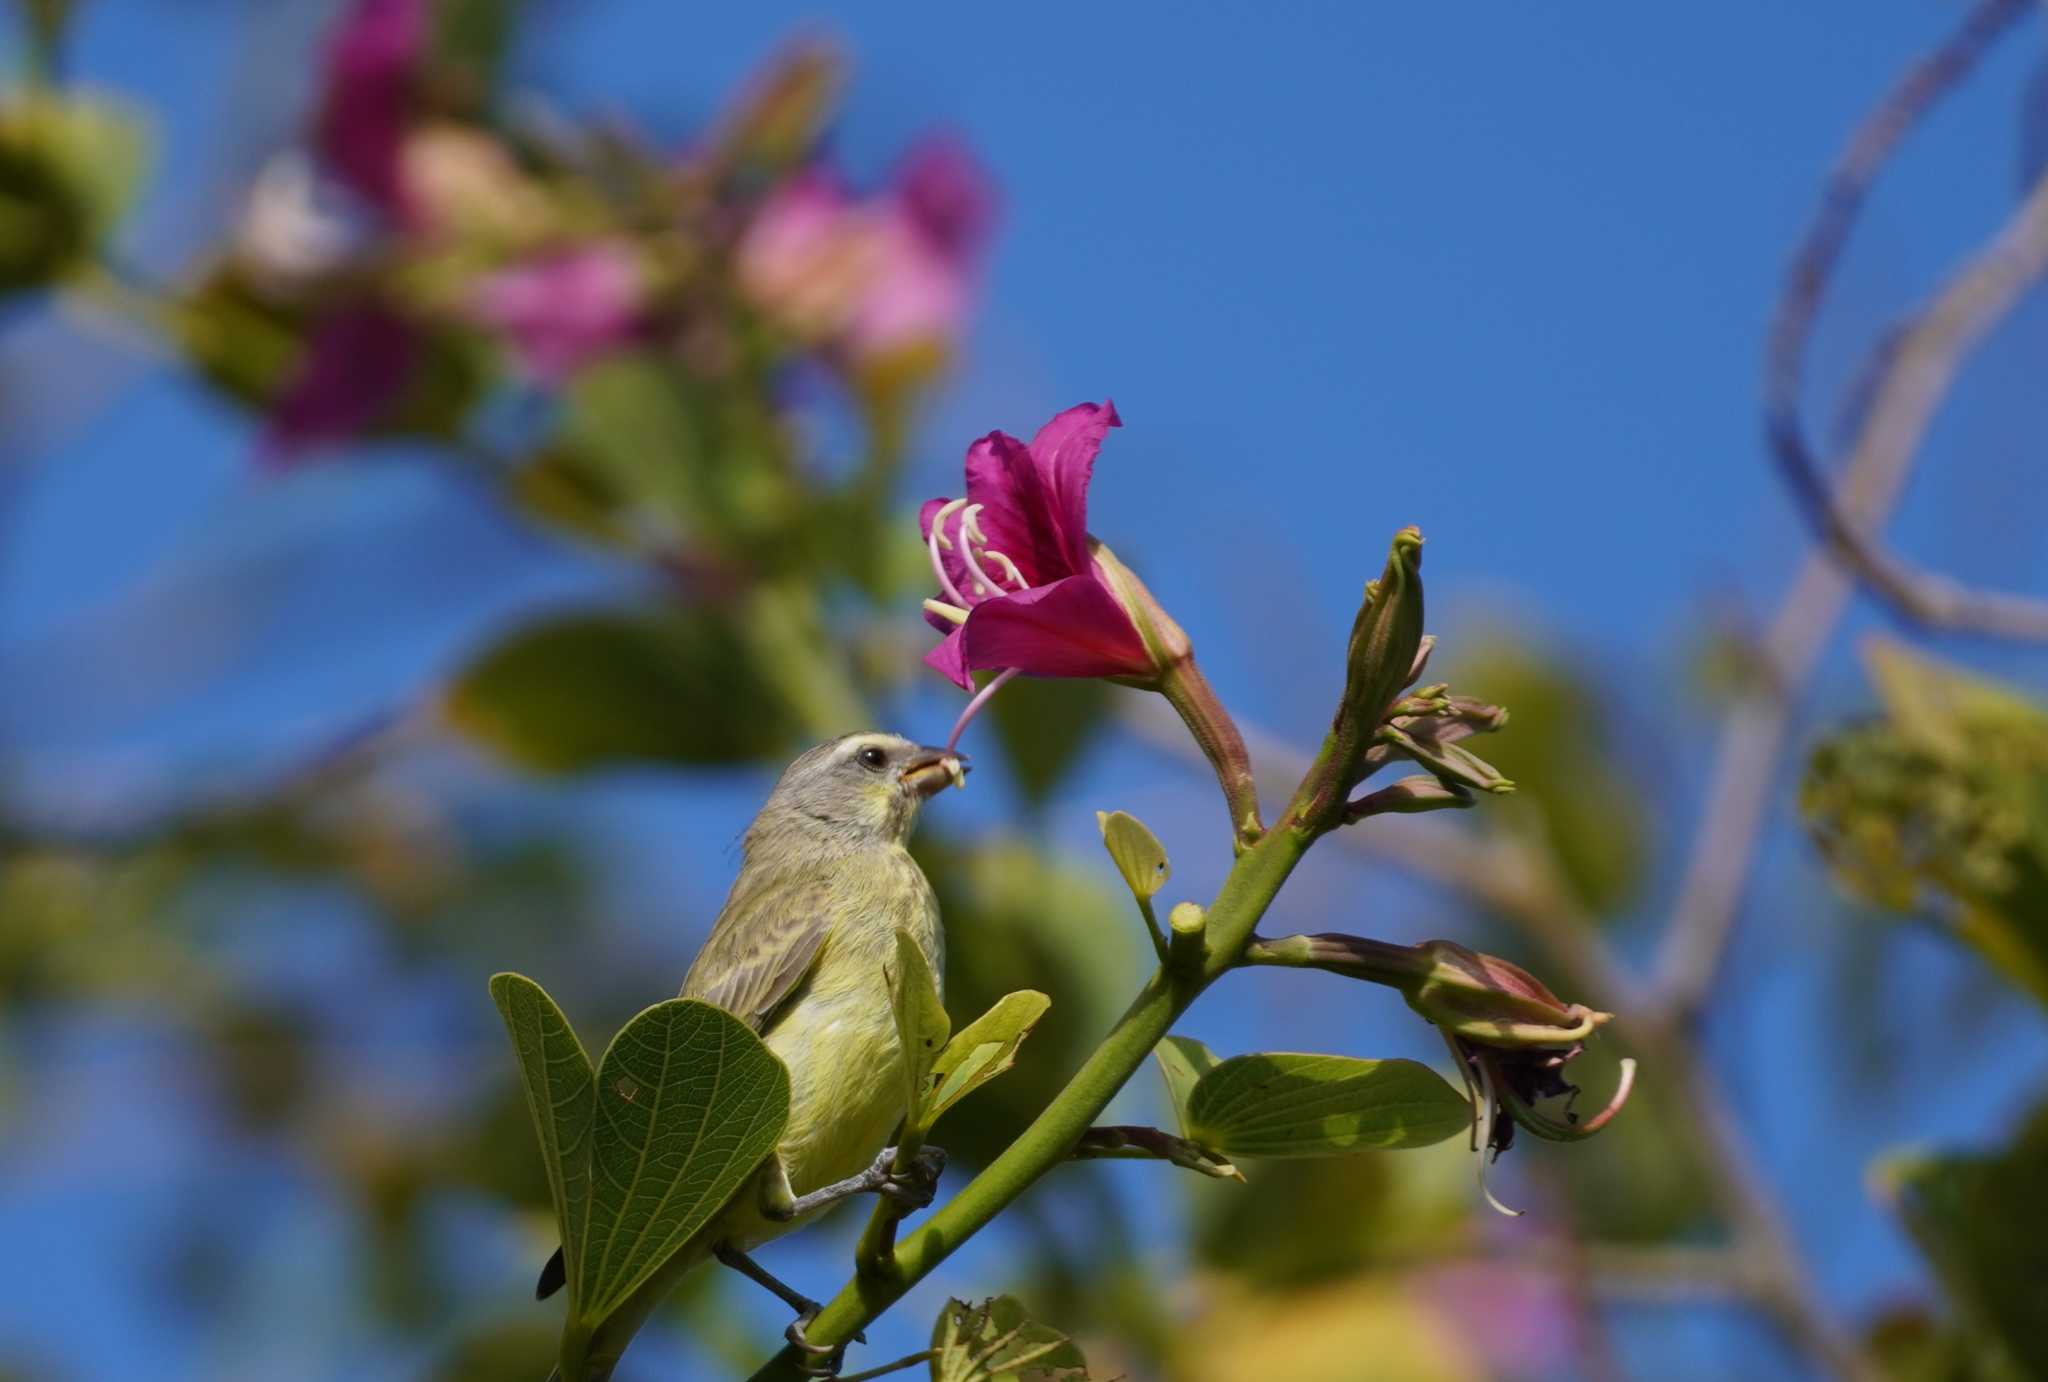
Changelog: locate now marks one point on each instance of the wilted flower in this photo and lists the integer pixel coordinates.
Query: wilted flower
(1511, 1038)
(887, 279)
(372, 64)
(1023, 585)
(562, 311)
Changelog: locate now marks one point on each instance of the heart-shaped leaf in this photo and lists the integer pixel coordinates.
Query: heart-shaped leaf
(561, 1092)
(689, 1104)
(1283, 1104)
(996, 1341)
(982, 1050)
(1183, 1061)
(921, 1021)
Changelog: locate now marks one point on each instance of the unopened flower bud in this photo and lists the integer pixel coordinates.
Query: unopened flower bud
(1386, 638)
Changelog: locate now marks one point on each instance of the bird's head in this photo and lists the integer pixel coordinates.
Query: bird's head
(866, 785)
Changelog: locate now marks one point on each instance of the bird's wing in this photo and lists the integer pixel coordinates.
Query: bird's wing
(764, 943)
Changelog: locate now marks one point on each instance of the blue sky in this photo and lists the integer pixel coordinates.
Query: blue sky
(1499, 271)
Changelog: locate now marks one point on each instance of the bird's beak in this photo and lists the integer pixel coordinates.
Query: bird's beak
(934, 770)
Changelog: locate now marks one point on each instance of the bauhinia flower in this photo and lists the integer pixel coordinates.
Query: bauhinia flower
(355, 366)
(1024, 588)
(562, 311)
(887, 279)
(1022, 585)
(367, 104)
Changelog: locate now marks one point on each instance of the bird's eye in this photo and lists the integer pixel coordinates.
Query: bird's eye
(872, 758)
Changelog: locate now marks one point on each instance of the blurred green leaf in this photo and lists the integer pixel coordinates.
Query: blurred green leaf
(561, 1094)
(1979, 1220)
(1139, 856)
(1945, 798)
(678, 1069)
(496, 1352)
(1044, 725)
(1021, 918)
(1299, 1222)
(586, 691)
(704, 452)
(1574, 794)
(982, 1050)
(1283, 1104)
(70, 167)
(921, 1021)
(470, 41)
(996, 1341)
(1182, 1063)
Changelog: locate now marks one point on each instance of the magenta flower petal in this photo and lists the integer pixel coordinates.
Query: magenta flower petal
(367, 103)
(949, 659)
(1070, 628)
(560, 313)
(356, 363)
(1065, 451)
(1017, 510)
(946, 194)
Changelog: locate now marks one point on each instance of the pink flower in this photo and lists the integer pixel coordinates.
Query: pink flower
(356, 364)
(884, 279)
(1024, 586)
(563, 311)
(367, 103)
(929, 237)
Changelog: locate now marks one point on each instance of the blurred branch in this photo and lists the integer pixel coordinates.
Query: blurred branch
(1915, 373)
(1507, 878)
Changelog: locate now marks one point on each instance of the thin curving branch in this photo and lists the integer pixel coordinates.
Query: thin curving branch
(1917, 369)
(1907, 379)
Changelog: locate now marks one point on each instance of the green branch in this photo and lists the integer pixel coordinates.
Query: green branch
(1246, 894)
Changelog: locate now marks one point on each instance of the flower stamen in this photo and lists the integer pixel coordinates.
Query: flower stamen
(983, 585)
(981, 698)
(952, 614)
(1009, 567)
(938, 539)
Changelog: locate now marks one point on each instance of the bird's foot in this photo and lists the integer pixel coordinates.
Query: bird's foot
(914, 1188)
(820, 1360)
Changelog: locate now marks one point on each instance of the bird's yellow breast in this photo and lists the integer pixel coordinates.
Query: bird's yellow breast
(838, 1038)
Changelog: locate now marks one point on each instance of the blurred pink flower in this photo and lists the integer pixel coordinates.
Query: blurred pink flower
(1018, 574)
(356, 363)
(1523, 1322)
(562, 311)
(372, 60)
(882, 278)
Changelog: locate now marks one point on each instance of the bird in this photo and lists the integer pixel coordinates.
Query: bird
(802, 953)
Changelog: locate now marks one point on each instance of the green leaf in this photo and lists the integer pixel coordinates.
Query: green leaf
(703, 456)
(1139, 856)
(1183, 1061)
(1282, 1104)
(996, 1341)
(586, 691)
(1044, 725)
(1978, 1219)
(921, 1021)
(69, 169)
(689, 1104)
(982, 1050)
(561, 1093)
